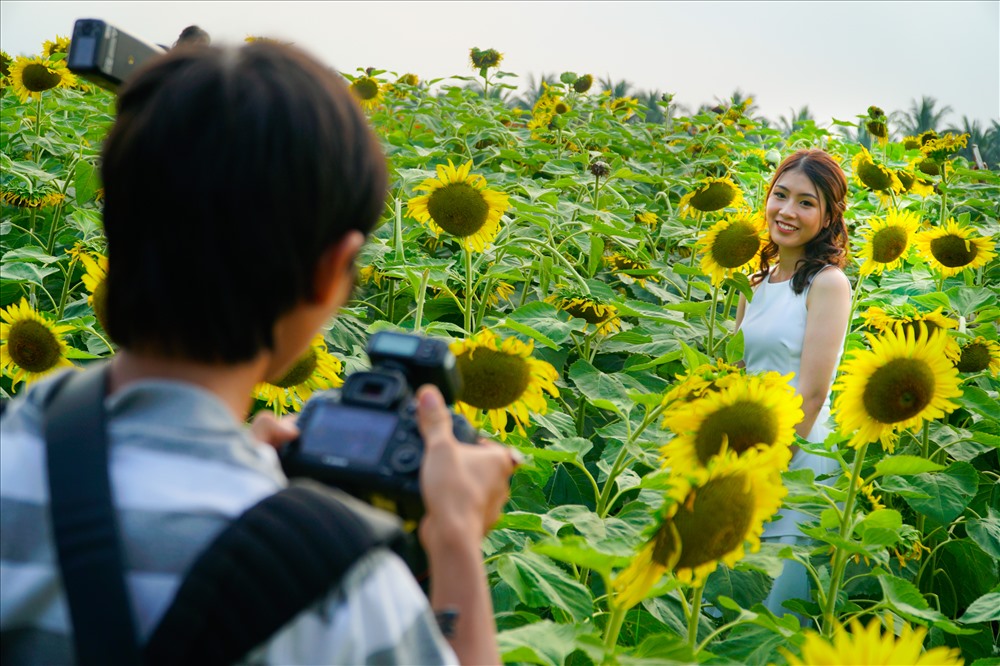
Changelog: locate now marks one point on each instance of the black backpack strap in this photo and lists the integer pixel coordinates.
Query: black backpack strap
(274, 561)
(84, 523)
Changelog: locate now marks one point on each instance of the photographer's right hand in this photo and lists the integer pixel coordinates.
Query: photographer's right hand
(464, 489)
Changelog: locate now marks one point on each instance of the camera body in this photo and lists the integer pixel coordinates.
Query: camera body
(105, 55)
(363, 437)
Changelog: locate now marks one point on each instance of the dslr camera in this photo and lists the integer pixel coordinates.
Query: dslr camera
(363, 437)
(105, 55)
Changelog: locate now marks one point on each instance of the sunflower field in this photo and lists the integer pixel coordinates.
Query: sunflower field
(585, 264)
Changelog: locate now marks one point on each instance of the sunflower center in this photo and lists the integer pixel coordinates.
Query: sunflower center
(735, 245)
(492, 379)
(953, 251)
(906, 179)
(301, 371)
(717, 521)
(874, 176)
(744, 424)
(714, 197)
(888, 244)
(32, 346)
(665, 543)
(899, 390)
(459, 209)
(930, 167)
(365, 88)
(593, 313)
(975, 357)
(37, 77)
(100, 303)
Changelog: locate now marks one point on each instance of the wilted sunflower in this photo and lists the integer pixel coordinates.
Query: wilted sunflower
(648, 218)
(980, 354)
(31, 346)
(887, 241)
(912, 184)
(487, 59)
(711, 194)
(60, 45)
(904, 380)
(30, 77)
(367, 91)
(502, 379)
(876, 124)
(16, 194)
(619, 263)
(713, 516)
(5, 64)
(458, 202)
(953, 248)
(910, 546)
(753, 411)
(861, 646)
(732, 245)
(583, 83)
(316, 370)
(872, 175)
(910, 317)
(602, 315)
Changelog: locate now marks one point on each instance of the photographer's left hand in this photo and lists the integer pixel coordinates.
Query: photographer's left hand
(274, 432)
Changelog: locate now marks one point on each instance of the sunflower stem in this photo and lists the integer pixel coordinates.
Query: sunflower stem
(390, 305)
(840, 557)
(701, 218)
(65, 288)
(612, 629)
(694, 617)
(711, 321)
(421, 295)
(35, 153)
(925, 451)
(468, 290)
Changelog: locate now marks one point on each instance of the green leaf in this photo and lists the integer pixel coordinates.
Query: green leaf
(693, 358)
(904, 598)
(578, 550)
(543, 322)
(986, 532)
(541, 584)
(984, 609)
(19, 271)
(734, 347)
(542, 642)
(979, 401)
(86, 182)
(905, 465)
(948, 491)
(571, 449)
(602, 390)
(596, 253)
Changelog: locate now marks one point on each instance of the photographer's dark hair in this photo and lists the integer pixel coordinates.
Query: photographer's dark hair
(831, 244)
(227, 174)
(193, 35)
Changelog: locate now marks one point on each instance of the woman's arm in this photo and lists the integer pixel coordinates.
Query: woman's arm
(828, 306)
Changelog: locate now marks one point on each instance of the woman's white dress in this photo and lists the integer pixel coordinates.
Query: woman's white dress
(774, 327)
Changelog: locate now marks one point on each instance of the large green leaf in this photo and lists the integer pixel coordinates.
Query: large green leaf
(541, 584)
(984, 609)
(602, 390)
(543, 322)
(904, 598)
(986, 532)
(947, 492)
(542, 642)
(905, 465)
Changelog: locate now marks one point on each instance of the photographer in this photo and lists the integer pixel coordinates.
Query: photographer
(240, 184)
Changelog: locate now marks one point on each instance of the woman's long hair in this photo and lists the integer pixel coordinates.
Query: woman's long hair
(829, 247)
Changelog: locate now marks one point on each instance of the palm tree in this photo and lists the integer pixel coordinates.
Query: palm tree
(921, 117)
(618, 89)
(534, 90)
(794, 122)
(988, 141)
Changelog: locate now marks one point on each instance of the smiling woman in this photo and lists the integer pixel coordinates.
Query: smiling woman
(797, 319)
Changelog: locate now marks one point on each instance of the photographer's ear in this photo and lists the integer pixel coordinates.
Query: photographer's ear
(334, 278)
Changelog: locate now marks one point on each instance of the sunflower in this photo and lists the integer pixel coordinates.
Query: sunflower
(873, 176)
(411, 80)
(711, 194)
(712, 516)
(483, 60)
(876, 125)
(625, 107)
(909, 317)
(315, 370)
(367, 91)
(648, 218)
(887, 241)
(457, 202)
(15, 194)
(5, 64)
(904, 380)
(953, 248)
(705, 378)
(502, 379)
(868, 646)
(583, 83)
(980, 354)
(602, 315)
(95, 280)
(940, 148)
(912, 184)
(911, 142)
(31, 346)
(732, 245)
(60, 45)
(31, 77)
(756, 411)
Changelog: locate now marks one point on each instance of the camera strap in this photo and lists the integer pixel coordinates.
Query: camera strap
(84, 523)
(272, 562)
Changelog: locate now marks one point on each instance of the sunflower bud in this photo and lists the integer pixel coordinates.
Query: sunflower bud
(600, 168)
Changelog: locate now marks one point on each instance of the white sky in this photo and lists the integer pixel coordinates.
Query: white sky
(836, 57)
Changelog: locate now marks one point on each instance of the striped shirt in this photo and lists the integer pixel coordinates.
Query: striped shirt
(181, 468)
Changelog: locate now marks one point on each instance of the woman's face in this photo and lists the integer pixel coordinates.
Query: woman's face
(795, 210)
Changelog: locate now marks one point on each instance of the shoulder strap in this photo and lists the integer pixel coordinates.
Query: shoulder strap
(84, 523)
(274, 561)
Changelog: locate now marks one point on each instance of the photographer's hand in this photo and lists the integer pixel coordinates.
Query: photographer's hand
(269, 429)
(464, 490)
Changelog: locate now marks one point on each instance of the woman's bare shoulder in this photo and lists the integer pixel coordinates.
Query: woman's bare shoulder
(829, 285)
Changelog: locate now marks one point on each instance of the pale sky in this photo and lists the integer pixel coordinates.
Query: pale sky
(836, 57)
